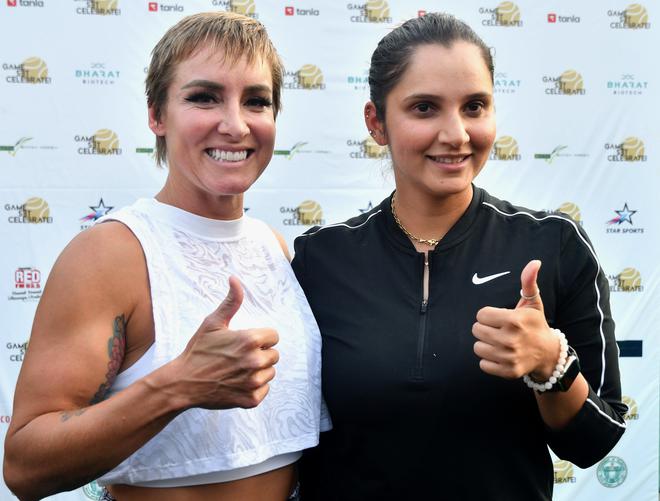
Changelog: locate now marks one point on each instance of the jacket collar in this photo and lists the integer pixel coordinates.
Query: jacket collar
(454, 236)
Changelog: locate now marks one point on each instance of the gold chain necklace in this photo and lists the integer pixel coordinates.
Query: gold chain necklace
(428, 241)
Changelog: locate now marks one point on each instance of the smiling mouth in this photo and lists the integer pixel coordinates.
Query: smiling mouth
(228, 156)
(454, 159)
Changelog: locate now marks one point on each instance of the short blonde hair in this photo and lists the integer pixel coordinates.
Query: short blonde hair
(234, 34)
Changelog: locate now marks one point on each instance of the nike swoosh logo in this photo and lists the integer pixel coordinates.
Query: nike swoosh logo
(476, 280)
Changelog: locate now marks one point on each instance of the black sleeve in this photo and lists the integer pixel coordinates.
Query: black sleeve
(298, 262)
(583, 315)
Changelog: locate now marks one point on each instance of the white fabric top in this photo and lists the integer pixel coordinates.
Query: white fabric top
(189, 260)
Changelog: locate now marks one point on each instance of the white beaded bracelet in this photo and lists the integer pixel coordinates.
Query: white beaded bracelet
(559, 368)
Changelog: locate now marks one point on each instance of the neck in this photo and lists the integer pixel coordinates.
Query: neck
(428, 217)
(220, 207)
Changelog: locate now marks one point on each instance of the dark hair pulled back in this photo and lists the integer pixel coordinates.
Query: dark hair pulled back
(392, 55)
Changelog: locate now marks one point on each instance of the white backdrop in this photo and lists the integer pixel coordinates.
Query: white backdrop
(577, 95)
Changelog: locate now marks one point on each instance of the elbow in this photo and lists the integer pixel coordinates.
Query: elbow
(18, 483)
(21, 483)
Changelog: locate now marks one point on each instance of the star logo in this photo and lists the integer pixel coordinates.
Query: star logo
(624, 215)
(367, 209)
(100, 210)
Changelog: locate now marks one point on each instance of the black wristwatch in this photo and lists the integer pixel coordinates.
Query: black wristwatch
(571, 372)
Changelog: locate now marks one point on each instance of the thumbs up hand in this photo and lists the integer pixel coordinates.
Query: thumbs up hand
(222, 368)
(515, 342)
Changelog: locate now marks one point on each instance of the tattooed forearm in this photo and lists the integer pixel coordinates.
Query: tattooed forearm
(116, 352)
(68, 414)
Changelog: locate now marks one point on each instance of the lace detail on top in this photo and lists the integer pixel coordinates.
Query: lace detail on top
(189, 260)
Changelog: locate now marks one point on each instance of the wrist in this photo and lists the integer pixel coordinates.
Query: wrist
(552, 355)
(563, 362)
(166, 383)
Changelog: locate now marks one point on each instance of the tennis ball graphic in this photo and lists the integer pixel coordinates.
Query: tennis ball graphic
(571, 210)
(310, 212)
(35, 209)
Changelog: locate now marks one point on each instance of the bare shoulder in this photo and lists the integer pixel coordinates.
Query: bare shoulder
(280, 239)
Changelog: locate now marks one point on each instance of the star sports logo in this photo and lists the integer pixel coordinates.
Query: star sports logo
(288, 11)
(623, 215)
(99, 211)
(153, 6)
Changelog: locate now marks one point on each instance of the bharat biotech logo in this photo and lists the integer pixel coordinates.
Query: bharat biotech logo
(612, 471)
(27, 285)
(97, 73)
(623, 222)
(99, 8)
(627, 85)
(367, 148)
(359, 81)
(633, 412)
(32, 70)
(34, 210)
(308, 213)
(97, 211)
(308, 77)
(633, 17)
(631, 149)
(102, 142)
(506, 84)
(505, 14)
(17, 351)
(563, 472)
(505, 148)
(629, 280)
(373, 11)
(569, 83)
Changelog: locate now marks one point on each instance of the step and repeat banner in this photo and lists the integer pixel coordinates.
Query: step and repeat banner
(577, 102)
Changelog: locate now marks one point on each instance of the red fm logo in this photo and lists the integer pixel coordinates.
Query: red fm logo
(27, 278)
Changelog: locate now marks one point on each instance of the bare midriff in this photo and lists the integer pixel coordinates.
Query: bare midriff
(275, 485)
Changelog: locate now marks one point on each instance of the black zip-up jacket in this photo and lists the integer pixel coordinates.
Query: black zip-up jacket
(413, 415)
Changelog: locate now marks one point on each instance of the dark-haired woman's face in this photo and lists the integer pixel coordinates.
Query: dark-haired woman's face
(440, 120)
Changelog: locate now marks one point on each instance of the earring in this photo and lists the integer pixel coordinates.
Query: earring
(371, 132)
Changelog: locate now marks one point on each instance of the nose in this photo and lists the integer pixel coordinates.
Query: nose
(232, 122)
(453, 130)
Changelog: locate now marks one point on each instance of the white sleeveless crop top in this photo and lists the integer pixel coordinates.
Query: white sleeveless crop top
(189, 260)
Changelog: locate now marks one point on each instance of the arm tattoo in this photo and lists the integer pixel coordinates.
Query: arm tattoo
(116, 352)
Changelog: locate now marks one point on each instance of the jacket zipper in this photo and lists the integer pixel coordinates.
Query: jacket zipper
(418, 372)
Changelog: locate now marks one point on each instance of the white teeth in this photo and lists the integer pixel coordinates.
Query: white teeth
(227, 156)
(449, 160)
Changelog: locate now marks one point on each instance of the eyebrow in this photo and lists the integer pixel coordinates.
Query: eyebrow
(211, 85)
(476, 95)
